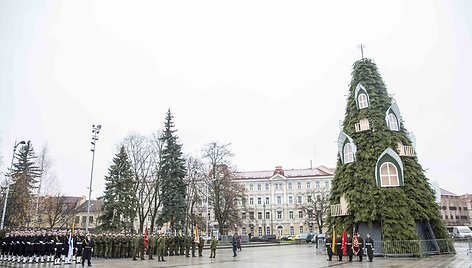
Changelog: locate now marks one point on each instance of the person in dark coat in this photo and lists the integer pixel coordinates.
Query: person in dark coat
(339, 247)
(349, 250)
(235, 244)
(329, 249)
(87, 250)
(79, 247)
(369, 245)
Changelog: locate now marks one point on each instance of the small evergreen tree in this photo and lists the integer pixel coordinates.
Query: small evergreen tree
(119, 198)
(24, 179)
(398, 208)
(172, 174)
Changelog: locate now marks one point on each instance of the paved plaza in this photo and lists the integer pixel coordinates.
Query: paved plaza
(277, 256)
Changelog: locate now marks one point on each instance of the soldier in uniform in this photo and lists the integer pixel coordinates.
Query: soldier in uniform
(171, 245)
(151, 242)
(350, 253)
(369, 245)
(161, 248)
(329, 248)
(141, 247)
(188, 244)
(57, 248)
(87, 250)
(339, 247)
(79, 247)
(50, 246)
(201, 244)
(213, 245)
(360, 253)
(134, 247)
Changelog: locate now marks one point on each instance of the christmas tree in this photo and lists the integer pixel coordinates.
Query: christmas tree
(379, 186)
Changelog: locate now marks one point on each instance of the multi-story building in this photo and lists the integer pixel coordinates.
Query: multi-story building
(96, 209)
(454, 209)
(280, 202)
(467, 198)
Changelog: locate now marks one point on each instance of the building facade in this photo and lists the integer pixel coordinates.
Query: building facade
(455, 209)
(280, 202)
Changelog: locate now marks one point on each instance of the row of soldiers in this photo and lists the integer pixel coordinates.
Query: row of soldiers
(126, 246)
(354, 246)
(38, 246)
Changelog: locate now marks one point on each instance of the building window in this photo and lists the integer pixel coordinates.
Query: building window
(267, 215)
(290, 199)
(301, 229)
(84, 219)
(267, 186)
(299, 185)
(251, 201)
(251, 215)
(445, 216)
(267, 200)
(259, 215)
(259, 187)
(276, 186)
(362, 99)
(392, 122)
(279, 200)
(326, 184)
(465, 208)
(308, 185)
(300, 214)
(259, 201)
(289, 186)
(309, 199)
(243, 215)
(252, 231)
(292, 230)
(91, 219)
(317, 184)
(251, 187)
(77, 219)
(388, 175)
(299, 199)
(260, 231)
(453, 208)
(348, 155)
(290, 214)
(279, 215)
(244, 231)
(457, 217)
(267, 230)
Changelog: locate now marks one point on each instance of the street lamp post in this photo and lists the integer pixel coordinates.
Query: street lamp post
(9, 181)
(95, 131)
(263, 219)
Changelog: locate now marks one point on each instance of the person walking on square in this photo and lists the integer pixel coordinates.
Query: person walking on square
(235, 244)
(239, 243)
(339, 247)
(329, 249)
(213, 245)
(87, 251)
(369, 245)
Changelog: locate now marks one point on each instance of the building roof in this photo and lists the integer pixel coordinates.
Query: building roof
(446, 192)
(288, 173)
(95, 205)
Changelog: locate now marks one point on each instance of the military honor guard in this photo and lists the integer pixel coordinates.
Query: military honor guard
(369, 245)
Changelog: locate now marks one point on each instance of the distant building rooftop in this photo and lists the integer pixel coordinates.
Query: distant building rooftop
(95, 205)
(289, 173)
(447, 193)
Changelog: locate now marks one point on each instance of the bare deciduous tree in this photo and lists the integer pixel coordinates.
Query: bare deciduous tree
(316, 209)
(226, 196)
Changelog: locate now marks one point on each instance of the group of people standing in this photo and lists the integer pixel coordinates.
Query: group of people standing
(353, 246)
(40, 246)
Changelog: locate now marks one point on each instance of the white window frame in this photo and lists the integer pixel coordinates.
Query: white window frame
(363, 102)
(300, 214)
(393, 122)
(251, 200)
(289, 185)
(308, 185)
(259, 200)
(259, 187)
(301, 229)
(290, 199)
(299, 185)
(279, 215)
(290, 214)
(292, 230)
(299, 199)
(251, 187)
(279, 199)
(267, 215)
(267, 200)
(388, 175)
(267, 186)
(348, 154)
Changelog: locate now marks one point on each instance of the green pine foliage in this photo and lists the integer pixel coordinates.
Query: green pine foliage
(172, 174)
(25, 176)
(119, 198)
(396, 208)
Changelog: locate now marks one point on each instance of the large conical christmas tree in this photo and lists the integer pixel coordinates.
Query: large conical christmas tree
(379, 185)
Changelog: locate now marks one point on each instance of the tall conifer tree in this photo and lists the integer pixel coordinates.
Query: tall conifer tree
(377, 172)
(25, 176)
(172, 175)
(119, 198)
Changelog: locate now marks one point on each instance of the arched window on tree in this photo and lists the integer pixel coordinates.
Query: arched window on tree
(393, 122)
(389, 175)
(348, 154)
(362, 100)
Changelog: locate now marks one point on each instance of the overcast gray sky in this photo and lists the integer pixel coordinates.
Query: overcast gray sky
(270, 77)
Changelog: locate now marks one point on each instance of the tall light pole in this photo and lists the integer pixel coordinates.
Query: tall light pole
(95, 131)
(9, 181)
